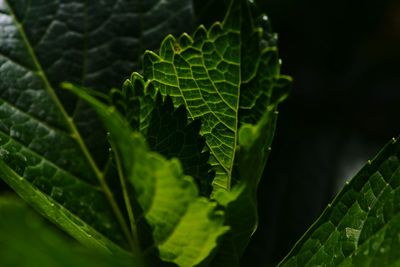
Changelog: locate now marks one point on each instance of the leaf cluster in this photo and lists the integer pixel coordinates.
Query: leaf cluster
(163, 170)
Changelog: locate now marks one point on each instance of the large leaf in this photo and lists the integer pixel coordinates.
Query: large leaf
(203, 73)
(185, 226)
(26, 240)
(361, 227)
(234, 64)
(215, 74)
(262, 89)
(46, 136)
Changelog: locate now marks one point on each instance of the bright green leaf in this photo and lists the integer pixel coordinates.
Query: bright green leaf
(229, 78)
(220, 75)
(185, 226)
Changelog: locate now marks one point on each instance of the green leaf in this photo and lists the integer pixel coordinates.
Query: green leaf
(188, 72)
(233, 62)
(262, 89)
(57, 213)
(26, 240)
(220, 75)
(185, 226)
(165, 128)
(241, 202)
(46, 135)
(361, 227)
(170, 135)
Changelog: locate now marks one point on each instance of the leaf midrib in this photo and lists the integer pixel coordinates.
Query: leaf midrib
(235, 129)
(72, 127)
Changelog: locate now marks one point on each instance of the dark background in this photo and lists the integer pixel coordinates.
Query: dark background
(344, 57)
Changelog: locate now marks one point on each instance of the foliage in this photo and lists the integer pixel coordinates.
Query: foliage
(361, 226)
(164, 169)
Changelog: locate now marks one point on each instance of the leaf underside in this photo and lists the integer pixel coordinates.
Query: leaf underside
(225, 76)
(232, 62)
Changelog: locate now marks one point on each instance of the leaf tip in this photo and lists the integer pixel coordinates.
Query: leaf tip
(67, 86)
(169, 47)
(185, 40)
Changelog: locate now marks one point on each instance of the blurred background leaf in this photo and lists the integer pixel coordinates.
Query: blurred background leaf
(26, 239)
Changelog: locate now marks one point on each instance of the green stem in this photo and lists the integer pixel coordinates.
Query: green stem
(128, 204)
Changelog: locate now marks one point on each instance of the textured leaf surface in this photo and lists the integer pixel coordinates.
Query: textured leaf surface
(241, 202)
(171, 135)
(58, 213)
(166, 129)
(46, 136)
(361, 227)
(262, 89)
(203, 72)
(185, 226)
(224, 76)
(26, 240)
(229, 78)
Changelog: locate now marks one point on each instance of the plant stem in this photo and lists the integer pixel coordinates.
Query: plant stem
(128, 204)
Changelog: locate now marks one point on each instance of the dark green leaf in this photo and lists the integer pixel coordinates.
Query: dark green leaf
(46, 135)
(165, 128)
(170, 135)
(58, 213)
(361, 227)
(241, 202)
